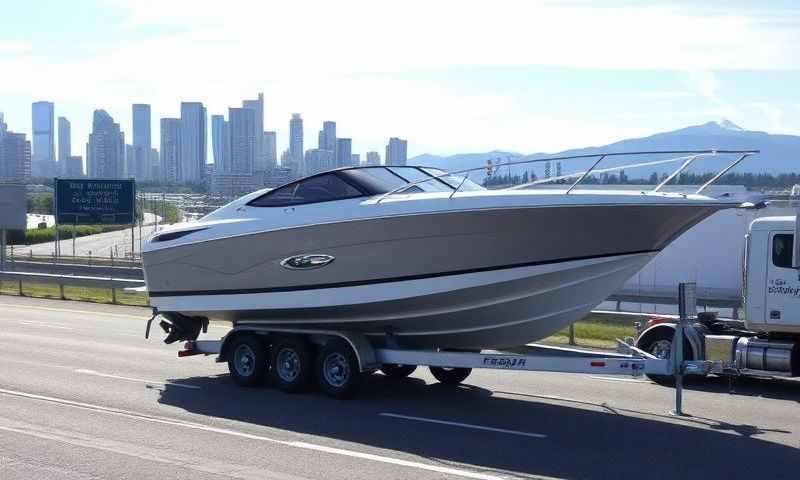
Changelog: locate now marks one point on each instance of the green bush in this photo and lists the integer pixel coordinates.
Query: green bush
(44, 235)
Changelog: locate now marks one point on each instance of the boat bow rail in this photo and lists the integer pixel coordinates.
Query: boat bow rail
(686, 157)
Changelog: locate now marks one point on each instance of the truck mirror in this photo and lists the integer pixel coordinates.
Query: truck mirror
(796, 244)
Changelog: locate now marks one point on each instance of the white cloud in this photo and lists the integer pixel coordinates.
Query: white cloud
(14, 47)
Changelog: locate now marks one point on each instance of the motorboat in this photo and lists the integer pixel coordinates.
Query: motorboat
(417, 255)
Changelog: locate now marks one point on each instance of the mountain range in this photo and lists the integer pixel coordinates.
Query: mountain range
(778, 153)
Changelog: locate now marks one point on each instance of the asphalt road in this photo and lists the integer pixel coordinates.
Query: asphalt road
(84, 396)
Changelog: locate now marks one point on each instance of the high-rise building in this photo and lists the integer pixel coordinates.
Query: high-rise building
(319, 160)
(355, 159)
(141, 142)
(44, 156)
(257, 105)
(105, 152)
(344, 151)
(548, 170)
(241, 123)
(73, 167)
(296, 143)
(396, 152)
(221, 143)
(64, 144)
(271, 150)
(373, 158)
(15, 155)
(327, 136)
(193, 142)
(154, 165)
(558, 169)
(170, 150)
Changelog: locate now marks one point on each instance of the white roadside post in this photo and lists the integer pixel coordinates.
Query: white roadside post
(687, 309)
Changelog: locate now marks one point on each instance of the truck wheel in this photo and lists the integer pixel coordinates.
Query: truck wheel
(337, 370)
(247, 360)
(395, 371)
(291, 362)
(450, 376)
(658, 342)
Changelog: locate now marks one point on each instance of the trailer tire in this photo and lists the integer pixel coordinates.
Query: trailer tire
(291, 360)
(338, 373)
(654, 341)
(247, 360)
(450, 376)
(394, 371)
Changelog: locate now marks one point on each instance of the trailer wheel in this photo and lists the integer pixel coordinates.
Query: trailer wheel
(338, 371)
(291, 362)
(396, 371)
(658, 342)
(247, 360)
(450, 376)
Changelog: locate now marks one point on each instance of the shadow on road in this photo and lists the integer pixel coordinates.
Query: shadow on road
(583, 441)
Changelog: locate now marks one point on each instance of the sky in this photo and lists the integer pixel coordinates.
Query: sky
(449, 76)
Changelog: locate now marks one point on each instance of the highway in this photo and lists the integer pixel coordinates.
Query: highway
(83, 395)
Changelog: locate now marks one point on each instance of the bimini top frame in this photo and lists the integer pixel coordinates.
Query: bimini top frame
(687, 157)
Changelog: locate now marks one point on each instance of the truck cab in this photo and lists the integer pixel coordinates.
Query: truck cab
(771, 281)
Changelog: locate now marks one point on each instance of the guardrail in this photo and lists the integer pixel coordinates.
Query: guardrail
(110, 283)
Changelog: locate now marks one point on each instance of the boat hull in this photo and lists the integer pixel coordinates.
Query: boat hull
(461, 279)
(490, 309)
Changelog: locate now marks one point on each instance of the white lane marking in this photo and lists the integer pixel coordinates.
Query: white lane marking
(194, 462)
(67, 310)
(34, 323)
(250, 436)
(463, 425)
(129, 379)
(613, 379)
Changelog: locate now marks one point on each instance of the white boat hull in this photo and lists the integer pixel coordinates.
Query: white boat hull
(498, 308)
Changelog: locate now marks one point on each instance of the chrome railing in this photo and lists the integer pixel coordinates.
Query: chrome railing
(686, 156)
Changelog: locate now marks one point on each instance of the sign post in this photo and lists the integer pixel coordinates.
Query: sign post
(687, 309)
(13, 214)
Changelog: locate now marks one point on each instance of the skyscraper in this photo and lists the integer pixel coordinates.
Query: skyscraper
(220, 144)
(344, 150)
(296, 143)
(373, 158)
(74, 166)
(271, 150)
(257, 106)
(318, 160)
(64, 144)
(106, 148)
(170, 150)
(43, 162)
(242, 139)
(141, 142)
(15, 155)
(355, 159)
(396, 152)
(193, 142)
(327, 136)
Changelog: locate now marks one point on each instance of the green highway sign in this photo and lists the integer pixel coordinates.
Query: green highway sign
(95, 202)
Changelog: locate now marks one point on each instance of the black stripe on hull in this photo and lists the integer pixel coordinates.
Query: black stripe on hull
(298, 288)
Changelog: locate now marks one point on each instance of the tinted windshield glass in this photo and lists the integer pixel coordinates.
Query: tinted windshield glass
(323, 188)
(379, 179)
(413, 174)
(455, 180)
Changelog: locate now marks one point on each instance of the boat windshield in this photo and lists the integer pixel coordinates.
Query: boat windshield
(454, 180)
(379, 179)
(413, 174)
(320, 188)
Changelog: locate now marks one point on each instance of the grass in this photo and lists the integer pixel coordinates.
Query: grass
(95, 295)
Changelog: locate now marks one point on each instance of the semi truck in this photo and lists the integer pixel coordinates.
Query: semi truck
(767, 341)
